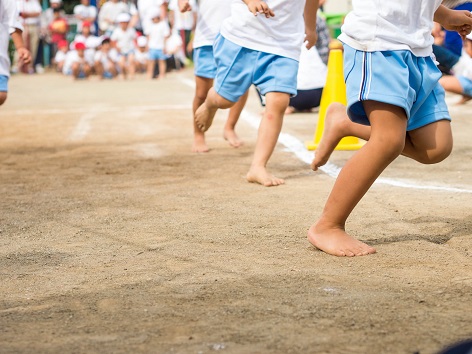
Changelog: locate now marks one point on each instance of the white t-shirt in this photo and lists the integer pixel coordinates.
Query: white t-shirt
(281, 35)
(141, 57)
(85, 12)
(211, 14)
(185, 20)
(108, 13)
(146, 7)
(71, 57)
(60, 56)
(157, 35)
(8, 23)
(311, 70)
(381, 25)
(104, 58)
(124, 39)
(464, 66)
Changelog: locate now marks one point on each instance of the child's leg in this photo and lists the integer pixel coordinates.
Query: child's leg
(269, 130)
(451, 84)
(3, 97)
(206, 112)
(150, 68)
(75, 70)
(386, 143)
(122, 65)
(202, 86)
(229, 132)
(131, 66)
(162, 68)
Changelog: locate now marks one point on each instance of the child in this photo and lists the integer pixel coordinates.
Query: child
(58, 29)
(461, 80)
(9, 24)
(141, 55)
(61, 55)
(158, 34)
(393, 92)
(262, 48)
(105, 61)
(210, 16)
(76, 64)
(123, 37)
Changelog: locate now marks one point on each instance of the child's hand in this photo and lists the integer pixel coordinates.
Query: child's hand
(310, 38)
(259, 7)
(459, 21)
(184, 6)
(24, 55)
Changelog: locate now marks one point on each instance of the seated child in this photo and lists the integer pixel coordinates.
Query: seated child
(158, 34)
(60, 57)
(461, 80)
(123, 38)
(141, 55)
(106, 60)
(75, 63)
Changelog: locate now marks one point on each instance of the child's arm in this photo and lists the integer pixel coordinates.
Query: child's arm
(311, 36)
(454, 20)
(259, 7)
(23, 54)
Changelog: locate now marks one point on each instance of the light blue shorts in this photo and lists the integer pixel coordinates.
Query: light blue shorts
(3, 83)
(398, 78)
(156, 54)
(239, 67)
(204, 62)
(466, 85)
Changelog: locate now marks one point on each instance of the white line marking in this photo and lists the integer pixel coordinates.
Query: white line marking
(83, 127)
(296, 147)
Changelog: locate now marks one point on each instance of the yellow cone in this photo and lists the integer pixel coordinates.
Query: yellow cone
(334, 91)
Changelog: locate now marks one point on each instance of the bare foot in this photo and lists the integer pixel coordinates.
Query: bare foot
(337, 242)
(231, 137)
(334, 130)
(199, 144)
(464, 100)
(261, 176)
(204, 117)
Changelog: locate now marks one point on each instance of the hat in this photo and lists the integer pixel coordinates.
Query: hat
(93, 42)
(153, 13)
(141, 41)
(55, 1)
(123, 17)
(86, 24)
(469, 36)
(79, 46)
(62, 44)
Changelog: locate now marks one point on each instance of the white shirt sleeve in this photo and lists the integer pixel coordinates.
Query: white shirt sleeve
(9, 8)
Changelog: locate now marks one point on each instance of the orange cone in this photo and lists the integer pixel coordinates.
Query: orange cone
(334, 91)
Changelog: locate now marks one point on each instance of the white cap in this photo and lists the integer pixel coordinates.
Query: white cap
(469, 36)
(141, 41)
(55, 1)
(154, 12)
(93, 42)
(123, 17)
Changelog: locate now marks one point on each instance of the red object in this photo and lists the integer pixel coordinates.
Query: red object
(62, 44)
(80, 46)
(86, 24)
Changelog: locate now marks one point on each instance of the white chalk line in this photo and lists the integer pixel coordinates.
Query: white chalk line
(297, 148)
(83, 127)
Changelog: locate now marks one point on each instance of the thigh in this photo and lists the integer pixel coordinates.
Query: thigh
(434, 136)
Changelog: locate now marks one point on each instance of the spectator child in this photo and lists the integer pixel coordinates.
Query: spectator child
(85, 13)
(58, 29)
(9, 25)
(61, 54)
(108, 14)
(461, 80)
(141, 55)
(106, 59)
(158, 34)
(76, 64)
(123, 39)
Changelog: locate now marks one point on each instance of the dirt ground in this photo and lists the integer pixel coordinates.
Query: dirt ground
(115, 238)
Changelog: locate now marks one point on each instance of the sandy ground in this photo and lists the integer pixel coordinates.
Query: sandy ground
(115, 238)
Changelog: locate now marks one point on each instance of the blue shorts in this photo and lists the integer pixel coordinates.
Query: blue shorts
(466, 85)
(156, 54)
(398, 78)
(238, 68)
(3, 83)
(204, 62)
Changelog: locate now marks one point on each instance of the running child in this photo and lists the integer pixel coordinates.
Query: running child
(9, 25)
(394, 102)
(260, 44)
(210, 16)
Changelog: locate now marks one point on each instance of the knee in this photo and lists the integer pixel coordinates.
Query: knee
(440, 153)
(3, 97)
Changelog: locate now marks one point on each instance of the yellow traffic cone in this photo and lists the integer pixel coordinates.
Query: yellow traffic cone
(334, 91)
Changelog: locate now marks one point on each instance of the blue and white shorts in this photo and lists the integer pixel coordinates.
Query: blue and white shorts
(4, 83)
(466, 85)
(239, 67)
(398, 78)
(204, 62)
(156, 54)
